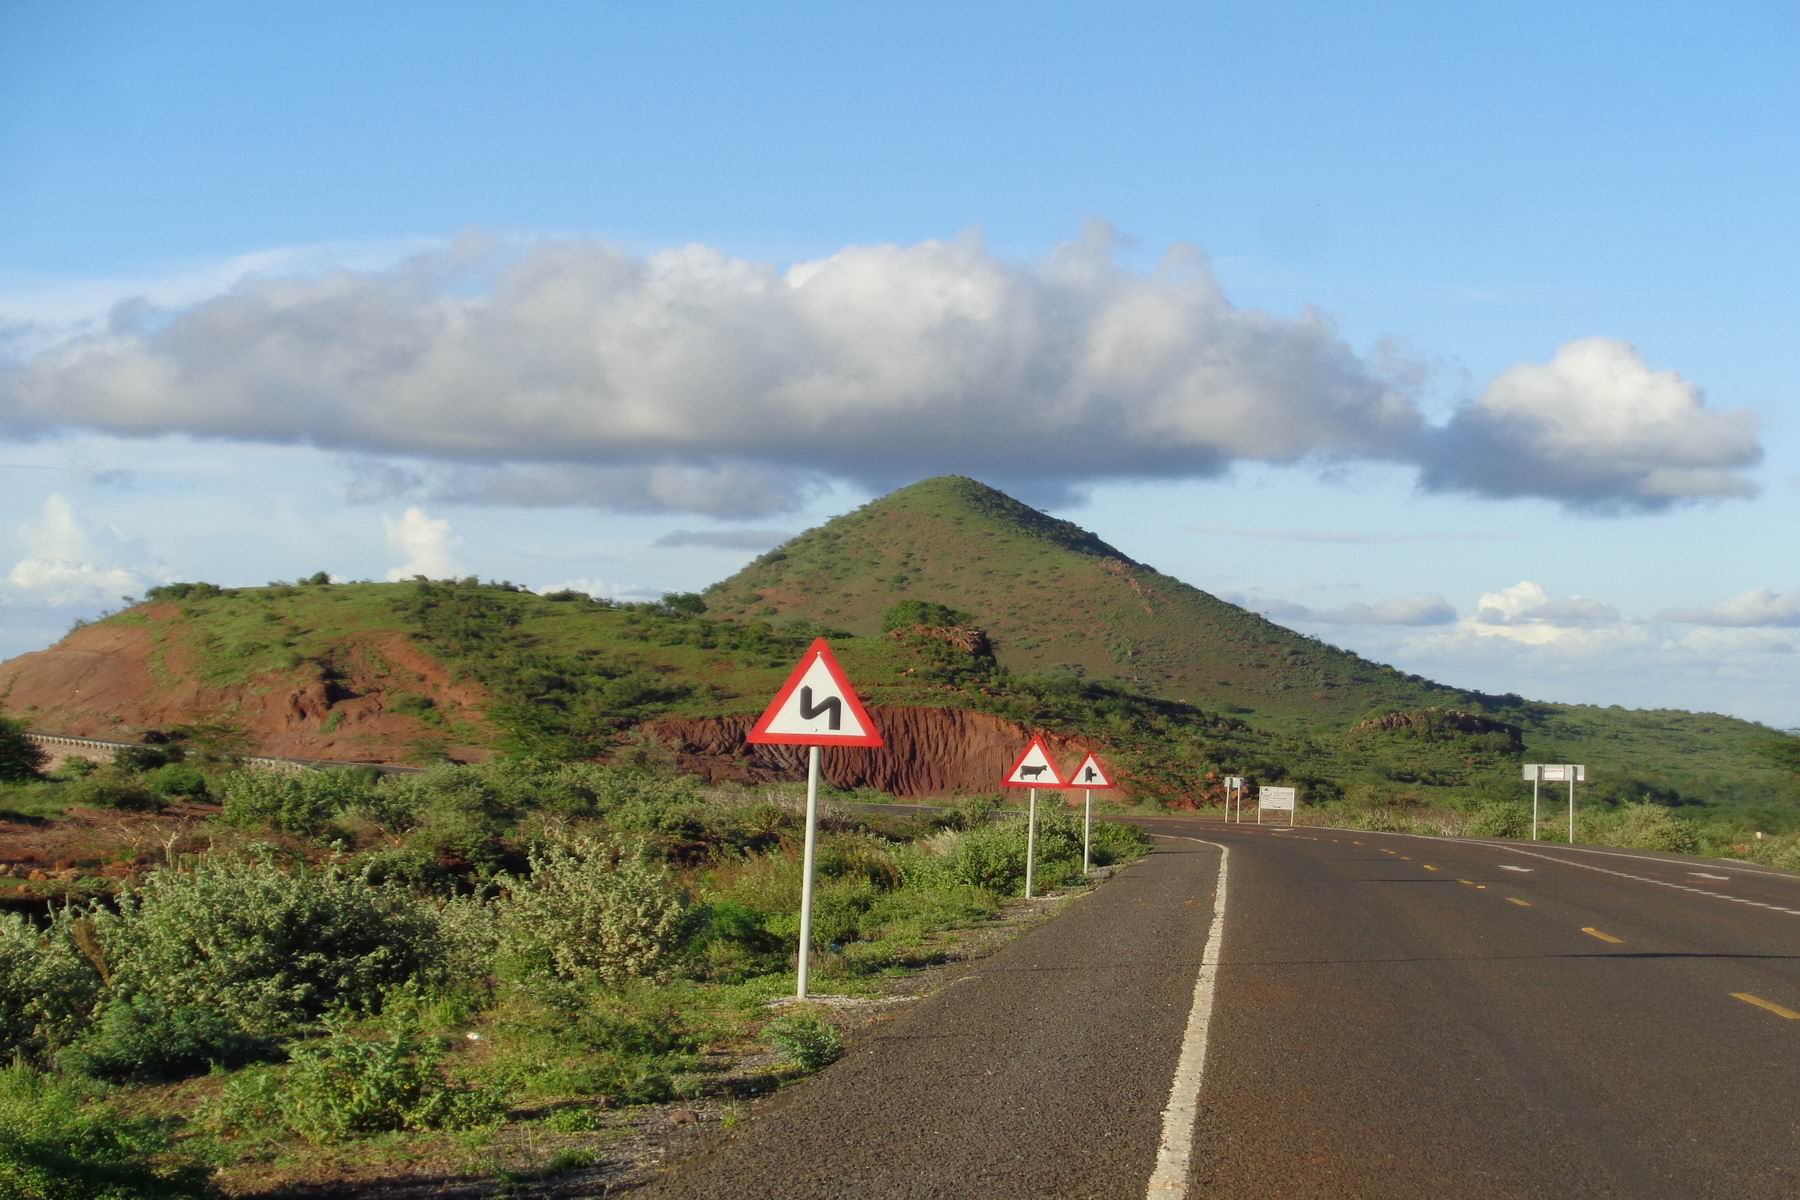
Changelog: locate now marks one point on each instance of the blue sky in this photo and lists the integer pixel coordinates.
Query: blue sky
(1455, 337)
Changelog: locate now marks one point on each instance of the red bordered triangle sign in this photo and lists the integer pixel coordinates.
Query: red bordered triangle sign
(1090, 774)
(1034, 769)
(816, 707)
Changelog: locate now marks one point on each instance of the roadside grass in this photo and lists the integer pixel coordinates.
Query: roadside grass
(482, 968)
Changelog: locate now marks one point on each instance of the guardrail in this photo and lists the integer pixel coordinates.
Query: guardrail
(67, 743)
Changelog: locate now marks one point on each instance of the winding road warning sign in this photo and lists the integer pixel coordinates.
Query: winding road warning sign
(1034, 769)
(816, 707)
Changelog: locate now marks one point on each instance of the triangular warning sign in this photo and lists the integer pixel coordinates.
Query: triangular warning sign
(1034, 769)
(1090, 774)
(816, 707)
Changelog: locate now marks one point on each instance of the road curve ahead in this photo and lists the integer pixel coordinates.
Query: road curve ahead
(1389, 1017)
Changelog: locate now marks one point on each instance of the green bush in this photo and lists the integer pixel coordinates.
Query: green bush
(343, 1086)
(1115, 842)
(992, 858)
(21, 758)
(300, 802)
(590, 912)
(271, 949)
(1499, 820)
(113, 788)
(47, 986)
(57, 1145)
(625, 1045)
(1650, 827)
(141, 1037)
(177, 779)
(808, 1040)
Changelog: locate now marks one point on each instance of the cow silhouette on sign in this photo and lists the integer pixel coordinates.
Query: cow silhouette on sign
(1031, 772)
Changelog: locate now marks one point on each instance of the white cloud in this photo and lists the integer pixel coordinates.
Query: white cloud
(72, 563)
(1596, 427)
(1756, 607)
(723, 539)
(1403, 610)
(572, 372)
(425, 543)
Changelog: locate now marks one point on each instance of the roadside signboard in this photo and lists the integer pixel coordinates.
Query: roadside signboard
(1556, 772)
(816, 707)
(1034, 769)
(1088, 776)
(1275, 798)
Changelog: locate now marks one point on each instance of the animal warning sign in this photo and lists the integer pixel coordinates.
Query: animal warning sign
(1090, 774)
(1034, 769)
(816, 707)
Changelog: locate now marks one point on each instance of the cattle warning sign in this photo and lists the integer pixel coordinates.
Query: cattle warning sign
(816, 707)
(1034, 769)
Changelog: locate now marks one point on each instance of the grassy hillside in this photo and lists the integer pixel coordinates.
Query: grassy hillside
(1078, 639)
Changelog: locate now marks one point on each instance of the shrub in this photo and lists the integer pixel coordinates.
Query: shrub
(20, 757)
(177, 779)
(75, 767)
(992, 858)
(269, 948)
(809, 1040)
(55, 1145)
(141, 1037)
(301, 802)
(342, 1086)
(590, 912)
(1499, 820)
(1651, 827)
(112, 788)
(1115, 841)
(625, 1045)
(47, 987)
(147, 757)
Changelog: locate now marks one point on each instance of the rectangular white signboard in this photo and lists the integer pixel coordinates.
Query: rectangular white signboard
(1275, 798)
(1557, 772)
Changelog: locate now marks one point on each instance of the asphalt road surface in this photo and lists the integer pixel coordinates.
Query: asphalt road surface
(1385, 1016)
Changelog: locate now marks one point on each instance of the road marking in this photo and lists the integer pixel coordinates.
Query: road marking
(1175, 1151)
(1466, 882)
(1704, 875)
(1354, 842)
(1521, 870)
(1778, 1010)
(1481, 887)
(1519, 902)
(1429, 867)
(1605, 937)
(1406, 858)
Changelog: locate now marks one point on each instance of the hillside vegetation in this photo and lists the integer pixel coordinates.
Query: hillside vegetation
(946, 594)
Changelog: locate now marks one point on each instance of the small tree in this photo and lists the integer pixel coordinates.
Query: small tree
(20, 757)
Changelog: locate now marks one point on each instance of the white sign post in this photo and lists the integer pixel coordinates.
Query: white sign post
(815, 707)
(1234, 788)
(1541, 773)
(1088, 776)
(1033, 770)
(1275, 799)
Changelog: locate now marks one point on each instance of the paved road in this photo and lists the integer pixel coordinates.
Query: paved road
(1393, 1017)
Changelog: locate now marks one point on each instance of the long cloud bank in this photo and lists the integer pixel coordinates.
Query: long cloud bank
(575, 372)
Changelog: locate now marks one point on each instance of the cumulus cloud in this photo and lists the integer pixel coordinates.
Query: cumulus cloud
(1597, 428)
(73, 563)
(426, 545)
(574, 372)
(1754, 608)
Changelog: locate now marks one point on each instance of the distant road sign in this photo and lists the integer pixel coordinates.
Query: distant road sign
(1556, 772)
(1234, 781)
(1275, 798)
(1090, 774)
(816, 707)
(1034, 769)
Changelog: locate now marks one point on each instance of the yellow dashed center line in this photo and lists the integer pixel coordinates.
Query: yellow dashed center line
(1519, 902)
(1785, 1013)
(1481, 887)
(1466, 882)
(1354, 842)
(1429, 867)
(1406, 858)
(1605, 937)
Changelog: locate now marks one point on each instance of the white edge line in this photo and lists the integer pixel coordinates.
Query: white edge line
(1175, 1150)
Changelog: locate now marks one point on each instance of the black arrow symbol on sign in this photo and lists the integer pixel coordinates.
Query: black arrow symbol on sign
(831, 704)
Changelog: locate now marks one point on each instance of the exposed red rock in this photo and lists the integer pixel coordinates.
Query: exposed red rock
(929, 752)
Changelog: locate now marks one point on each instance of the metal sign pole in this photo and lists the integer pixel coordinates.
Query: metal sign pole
(1537, 778)
(1087, 828)
(1259, 810)
(806, 877)
(1030, 842)
(1572, 774)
